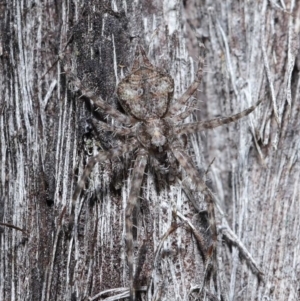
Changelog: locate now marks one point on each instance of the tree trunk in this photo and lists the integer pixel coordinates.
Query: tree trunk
(48, 134)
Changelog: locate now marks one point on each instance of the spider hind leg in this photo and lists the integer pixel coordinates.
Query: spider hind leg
(186, 162)
(136, 182)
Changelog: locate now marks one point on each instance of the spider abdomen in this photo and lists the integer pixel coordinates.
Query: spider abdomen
(146, 93)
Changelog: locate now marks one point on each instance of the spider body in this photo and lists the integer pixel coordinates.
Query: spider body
(155, 131)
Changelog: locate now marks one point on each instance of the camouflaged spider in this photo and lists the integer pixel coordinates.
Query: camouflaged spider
(154, 129)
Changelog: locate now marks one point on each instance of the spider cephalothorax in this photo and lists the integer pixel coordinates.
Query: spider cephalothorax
(153, 129)
(154, 134)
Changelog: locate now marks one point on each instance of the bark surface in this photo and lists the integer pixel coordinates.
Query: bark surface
(48, 133)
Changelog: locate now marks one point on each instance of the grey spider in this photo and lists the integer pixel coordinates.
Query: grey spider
(153, 128)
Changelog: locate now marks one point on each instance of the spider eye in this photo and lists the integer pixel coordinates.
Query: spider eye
(140, 92)
(153, 89)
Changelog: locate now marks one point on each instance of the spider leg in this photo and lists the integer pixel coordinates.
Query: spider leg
(136, 182)
(175, 108)
(110, 110)
(190, 128)
(99, 102)
(101, 157)
(181, 116)
(187, 164)
(140, 59)
(102, 126)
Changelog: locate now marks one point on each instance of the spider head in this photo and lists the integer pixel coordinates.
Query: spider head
(154, 134)
(158, 139)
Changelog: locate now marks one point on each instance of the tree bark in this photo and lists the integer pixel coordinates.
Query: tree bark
(48, 133)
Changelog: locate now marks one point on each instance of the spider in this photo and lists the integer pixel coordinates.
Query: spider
(153, 129)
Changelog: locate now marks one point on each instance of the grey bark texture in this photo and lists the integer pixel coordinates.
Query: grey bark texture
(48, 133)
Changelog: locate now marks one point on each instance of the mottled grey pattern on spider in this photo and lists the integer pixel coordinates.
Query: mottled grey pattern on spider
(153, 127)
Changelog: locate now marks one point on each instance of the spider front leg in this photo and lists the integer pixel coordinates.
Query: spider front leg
(136, 182)
(190, 128)
(175, 108)
(187, 164)
(98, 101)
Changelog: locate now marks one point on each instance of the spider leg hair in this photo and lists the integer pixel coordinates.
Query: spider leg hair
(110, 110)
(181, 116)
(101, 157)
(190, 128)
(136, 182)
(187, 164)
(122, 131)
